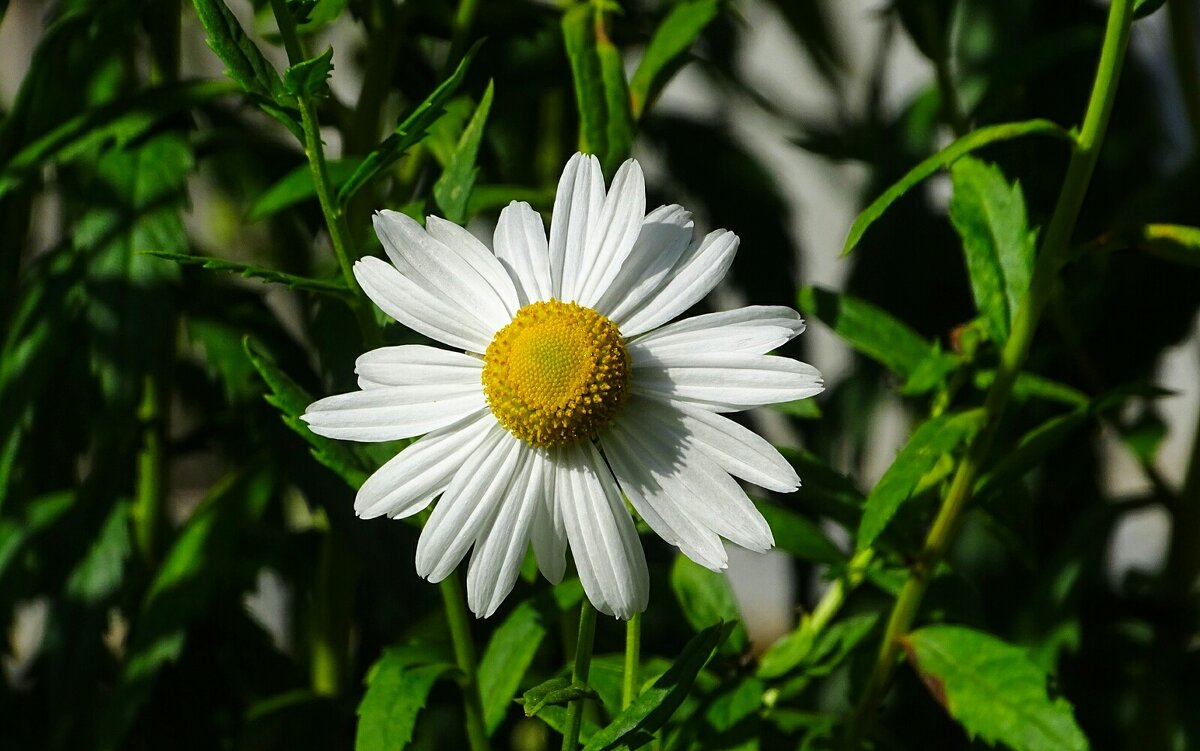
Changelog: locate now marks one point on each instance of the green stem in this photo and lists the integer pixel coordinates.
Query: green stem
(459, 621)
(1187, 64)
(1053, 255)
(579, 673)
(633, 659)
(151, 467)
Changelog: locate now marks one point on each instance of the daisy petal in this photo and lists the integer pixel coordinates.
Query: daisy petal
(391, 412)
(698, 270)
(520, 242)
(610, 244)
(416, 307)
(664, 235)
(415, 364)
(577, 207)
(549, 535)
(663, 514)
(723, 382)
(409, 482)
(444, 272)
(469, 503)
(475, 253)
(604, 542)
(501, 546)
(753, 330)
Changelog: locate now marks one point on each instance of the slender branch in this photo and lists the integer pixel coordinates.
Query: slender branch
(633, 659)
(579, 673)
(1053, 255)
(454, 602)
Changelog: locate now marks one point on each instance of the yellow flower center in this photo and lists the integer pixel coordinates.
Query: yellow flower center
(556, 374)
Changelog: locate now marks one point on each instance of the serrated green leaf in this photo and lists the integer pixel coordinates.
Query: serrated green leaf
(397, 688)
(634, 727)
(409, 132)
(452, 191)
(989, 214)
(307, 78)
(668, 49)
(799, 536)
(970, 142)
(869, 329)
(249, 271)
(924, 450)
(297, 186)
(556, 692)
(705, 598)
(993, 689)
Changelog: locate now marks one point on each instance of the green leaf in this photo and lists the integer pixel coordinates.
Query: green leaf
(554, 692)
(291, 400)
(799, 536)
(634, 727)
(98, 576)
(249, 271)
(307, 79)
(1143, 8)
(1030, 451)
(579, 36)
(989, 214)
(246, 64)
(397, 687)
(408, 133)
(735, 704)
(944, 158)
(993, 689)
(668, 49)
(40, 515)
(706, 598)
(1032, 385)
(812, 654)
(618, 123)
(297, 186)
(870, 330)
(453, 188)
(935, 438)
(1176, 243)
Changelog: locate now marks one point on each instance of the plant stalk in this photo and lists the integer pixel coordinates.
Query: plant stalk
(457, 618)
(633, 660)
(579, 673)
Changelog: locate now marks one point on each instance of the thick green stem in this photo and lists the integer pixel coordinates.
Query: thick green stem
(579, 673)
(1054, 253)
(633, 659)
(455, 604)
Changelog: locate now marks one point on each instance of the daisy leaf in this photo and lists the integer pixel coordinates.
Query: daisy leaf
(705, 598)
(397, 687)
(601, 92)
(452, 191)
(249, 271)
(668, 49)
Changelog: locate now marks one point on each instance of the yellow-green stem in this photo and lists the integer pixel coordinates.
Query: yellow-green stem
(1054, 253)
(579, 673)
(633, 659)
(455, 604)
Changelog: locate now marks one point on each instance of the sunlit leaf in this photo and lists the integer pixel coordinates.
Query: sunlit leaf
(668, 49)
(397, 687)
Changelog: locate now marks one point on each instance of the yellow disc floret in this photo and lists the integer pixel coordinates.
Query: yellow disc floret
(556, 374)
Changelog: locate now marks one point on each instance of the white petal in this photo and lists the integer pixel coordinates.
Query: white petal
(418, 308)
(502, 544)
(521, 246)
(753, 330)
(664, 235)
(698, 270)
(549, 535)
(650, 498)
(737, 449)
(604, 542)
(689, 478)
(577, 207)
(413, 364)
(391, 412)
(610, 244)
(468, 504)
(475, 253)
(442, 271)
(410, 481)
(724, 382)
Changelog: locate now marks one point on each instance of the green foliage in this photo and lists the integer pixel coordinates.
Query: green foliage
(452, 191)
(806, 653)
(668, 49)
(297, 186)
(308, 78)
(601, 94)
(992, 689)
(706, 598)
(249, 271)
(799, 536)
(397, 688)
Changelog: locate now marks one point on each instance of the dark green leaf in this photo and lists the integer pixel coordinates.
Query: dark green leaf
(554, 692)
(799, 536)
(307, 79)
(618, 120)
(668, 49)
(1031, 385)
(633, 728)
(397, 687)
(735, 704)
(812, 654)
(1031, 450)
(805, 409)
(944, 158)
(706, 598)
(579, 36)
(824, 490)
(409, 132)
(98, 576)
(1143, 8)
(297, 186)
(993, 689)
(453, 188)
(989, 214)
(40, 515)
(254, 272)
(935, 439)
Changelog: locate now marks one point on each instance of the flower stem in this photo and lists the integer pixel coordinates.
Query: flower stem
(1053, 255)
(464, 654)
(579, 673)
(633, 659)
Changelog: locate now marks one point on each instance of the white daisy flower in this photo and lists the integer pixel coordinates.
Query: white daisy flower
(565, 391)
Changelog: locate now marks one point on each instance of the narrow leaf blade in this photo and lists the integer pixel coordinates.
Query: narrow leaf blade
(452, 191)
(668, 49)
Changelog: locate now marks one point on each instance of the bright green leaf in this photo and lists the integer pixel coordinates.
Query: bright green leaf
(812, 654)
(668, 49)
(554, 692)
(579, 36)
(993, 689)
(944, 158)
(307, 79)
(397, 688)
(706, 598)
(452, 191)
